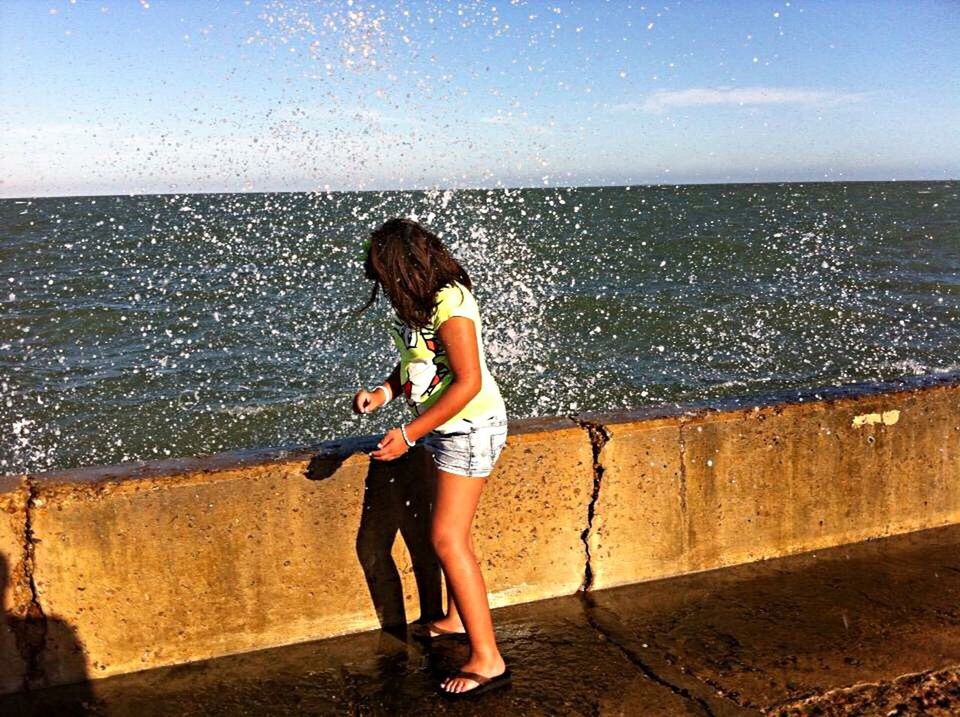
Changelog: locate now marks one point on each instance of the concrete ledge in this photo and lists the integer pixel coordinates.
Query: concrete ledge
(179, 560)
(166, 568)
(709, 488)
(135, 566)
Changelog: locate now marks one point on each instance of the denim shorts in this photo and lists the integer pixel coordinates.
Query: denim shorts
(471, 451)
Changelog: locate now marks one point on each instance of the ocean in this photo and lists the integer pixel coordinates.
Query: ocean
(139, 327)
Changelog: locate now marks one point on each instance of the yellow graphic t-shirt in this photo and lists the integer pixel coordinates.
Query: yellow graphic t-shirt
(425, 369)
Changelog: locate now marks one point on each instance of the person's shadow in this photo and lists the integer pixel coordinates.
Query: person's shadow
(48, 650)
(398, 497)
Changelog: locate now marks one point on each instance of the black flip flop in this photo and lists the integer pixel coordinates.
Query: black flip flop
(484, 684)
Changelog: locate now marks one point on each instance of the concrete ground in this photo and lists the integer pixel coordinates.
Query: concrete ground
(871, 629)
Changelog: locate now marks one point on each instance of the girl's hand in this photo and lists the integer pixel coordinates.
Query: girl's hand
(368, 401)
(390, 446)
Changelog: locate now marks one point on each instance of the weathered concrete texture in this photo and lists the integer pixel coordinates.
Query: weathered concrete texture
(703, 490)
(162, 569)
(934, 694)
(831, 632)
(15, 593)
(802, 476)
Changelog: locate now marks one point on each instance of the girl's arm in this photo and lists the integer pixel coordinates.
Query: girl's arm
(393, 381)
(368, 401)
(460, 340)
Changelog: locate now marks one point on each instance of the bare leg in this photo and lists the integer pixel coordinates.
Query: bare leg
(452, 620)
(453, 511)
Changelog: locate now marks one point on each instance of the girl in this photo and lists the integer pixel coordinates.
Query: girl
(459, 416)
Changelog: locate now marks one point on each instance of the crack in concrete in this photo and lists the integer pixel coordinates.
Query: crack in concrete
(681, 442)
(589, 608)
(32, 636)
(729, 695)
(599, 436)
(598, 439)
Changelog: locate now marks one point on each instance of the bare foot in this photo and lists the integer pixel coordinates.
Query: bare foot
(488, 668)
(446, 624)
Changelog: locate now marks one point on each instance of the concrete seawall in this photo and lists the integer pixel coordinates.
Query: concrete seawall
(115, 569)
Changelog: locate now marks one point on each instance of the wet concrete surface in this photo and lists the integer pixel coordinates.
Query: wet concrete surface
(872, 628)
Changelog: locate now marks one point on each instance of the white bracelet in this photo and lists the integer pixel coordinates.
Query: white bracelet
(387, 392)
(403, 432)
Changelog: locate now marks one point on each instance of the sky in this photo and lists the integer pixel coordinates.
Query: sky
(160, 96)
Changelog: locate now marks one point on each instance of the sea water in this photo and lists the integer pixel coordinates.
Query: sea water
(137, 327)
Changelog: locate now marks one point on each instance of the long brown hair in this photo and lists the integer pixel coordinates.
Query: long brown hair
(410, 264)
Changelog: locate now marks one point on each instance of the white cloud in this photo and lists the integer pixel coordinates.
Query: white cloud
(739, 97)
(519, 125)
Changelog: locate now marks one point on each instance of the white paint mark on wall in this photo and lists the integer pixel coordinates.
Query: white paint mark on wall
(887, 418)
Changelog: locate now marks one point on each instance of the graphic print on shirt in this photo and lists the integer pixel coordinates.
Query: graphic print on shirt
(423, 375)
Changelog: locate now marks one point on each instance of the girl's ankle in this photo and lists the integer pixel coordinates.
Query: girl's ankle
(486, 657)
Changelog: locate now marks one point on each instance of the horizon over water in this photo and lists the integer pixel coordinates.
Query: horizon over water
(495, 187)
(154, 325)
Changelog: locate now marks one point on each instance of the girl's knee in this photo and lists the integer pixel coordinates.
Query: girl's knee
(447, 542)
